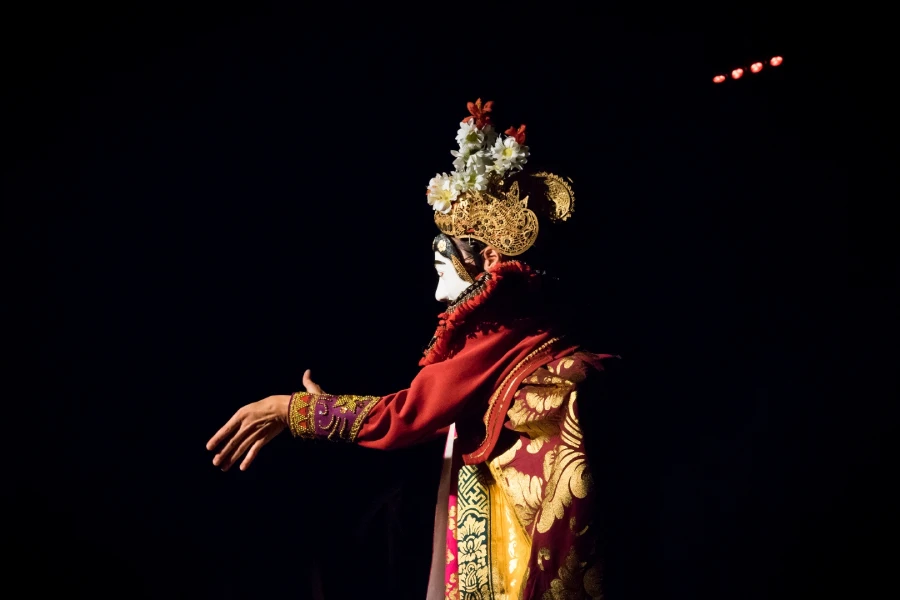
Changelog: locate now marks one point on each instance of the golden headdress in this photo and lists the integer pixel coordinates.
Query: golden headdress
(488, 197)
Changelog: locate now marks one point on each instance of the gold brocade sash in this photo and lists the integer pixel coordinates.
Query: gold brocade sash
(493, 548)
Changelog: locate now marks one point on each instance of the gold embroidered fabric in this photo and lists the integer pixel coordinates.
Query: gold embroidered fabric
(493, 550)
(544, 411)
(300, 415)
(545, 478)
(526, 524)
(472, 531)
(576, 580)
(326, 416)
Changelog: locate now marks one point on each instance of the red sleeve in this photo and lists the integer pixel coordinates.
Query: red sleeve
(438, 396)
(442, 392)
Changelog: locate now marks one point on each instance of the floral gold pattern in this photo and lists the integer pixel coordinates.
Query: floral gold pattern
(451, 572)
(545, 478)
(525, 492)
(452, 589)
(473, 501)
(575, 582)
(570, 476)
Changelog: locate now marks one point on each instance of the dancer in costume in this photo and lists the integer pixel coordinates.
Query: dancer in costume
(499, 379)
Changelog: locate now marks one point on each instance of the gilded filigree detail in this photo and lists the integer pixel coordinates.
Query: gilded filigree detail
(560, 194)
(500, 216)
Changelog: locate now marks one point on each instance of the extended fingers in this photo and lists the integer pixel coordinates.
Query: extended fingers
(222, 457)
(224, 432)
(254, 450)
(258, 444)
(248, 441)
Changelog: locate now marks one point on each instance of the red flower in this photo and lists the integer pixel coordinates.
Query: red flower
(481, 114)
(517, 134)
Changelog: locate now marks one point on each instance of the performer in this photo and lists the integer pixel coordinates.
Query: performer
(517, 514)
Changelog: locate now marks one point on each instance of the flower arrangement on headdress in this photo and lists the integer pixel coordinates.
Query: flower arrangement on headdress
(483, 157)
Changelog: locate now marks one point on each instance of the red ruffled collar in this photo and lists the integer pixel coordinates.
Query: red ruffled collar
(461, 309)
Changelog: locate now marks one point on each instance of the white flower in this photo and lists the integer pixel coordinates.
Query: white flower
(469, 137)
(508, 154)
(442, 193)
(460, 181)
(479, 162)
(467, 180)
(459, 160)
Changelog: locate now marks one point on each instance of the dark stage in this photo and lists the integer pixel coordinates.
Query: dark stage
(200, 206)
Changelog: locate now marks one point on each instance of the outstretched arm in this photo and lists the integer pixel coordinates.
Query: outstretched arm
(252, 427)
(437, 397)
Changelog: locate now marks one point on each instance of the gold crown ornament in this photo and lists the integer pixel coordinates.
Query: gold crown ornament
(487, 196)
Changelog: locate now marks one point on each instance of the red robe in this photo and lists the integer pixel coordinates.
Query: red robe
(493, 347)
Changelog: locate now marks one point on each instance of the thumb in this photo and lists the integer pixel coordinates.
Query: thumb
(309, 384)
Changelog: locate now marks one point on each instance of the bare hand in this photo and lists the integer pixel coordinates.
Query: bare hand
(252, 427)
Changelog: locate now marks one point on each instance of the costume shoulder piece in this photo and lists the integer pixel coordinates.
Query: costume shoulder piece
(488, 196)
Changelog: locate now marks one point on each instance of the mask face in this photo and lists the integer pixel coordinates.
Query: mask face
(450, 284)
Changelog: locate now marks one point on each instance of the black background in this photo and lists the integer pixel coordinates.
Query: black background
(199, 205)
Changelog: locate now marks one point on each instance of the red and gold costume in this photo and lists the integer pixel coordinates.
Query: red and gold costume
(520, 517)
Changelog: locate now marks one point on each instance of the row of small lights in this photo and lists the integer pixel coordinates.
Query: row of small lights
(754, 68)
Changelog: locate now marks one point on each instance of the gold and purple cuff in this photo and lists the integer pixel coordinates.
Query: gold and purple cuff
(337, 418)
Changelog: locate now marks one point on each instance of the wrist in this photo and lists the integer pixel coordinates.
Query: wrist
(282, 407)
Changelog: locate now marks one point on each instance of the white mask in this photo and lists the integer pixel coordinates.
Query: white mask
(450, 284)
